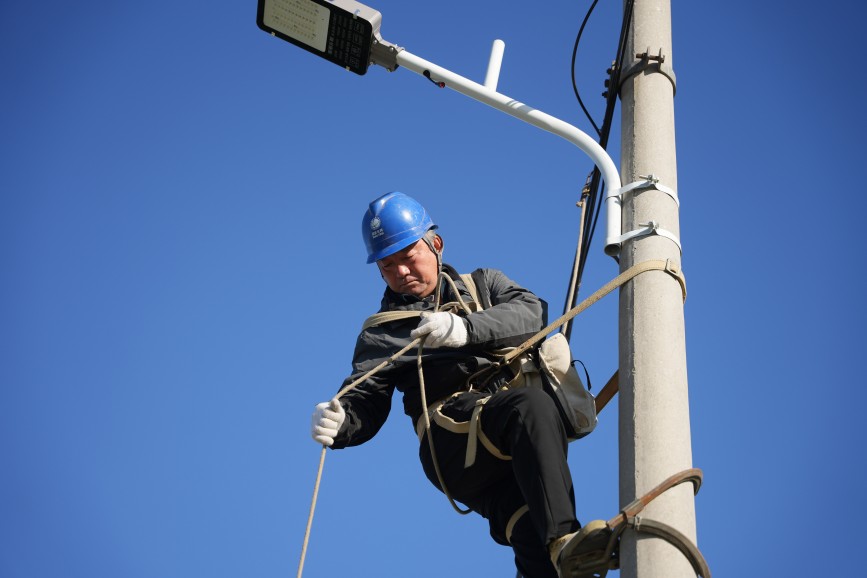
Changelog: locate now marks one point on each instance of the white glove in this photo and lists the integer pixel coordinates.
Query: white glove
(327, 419)
(443, 330)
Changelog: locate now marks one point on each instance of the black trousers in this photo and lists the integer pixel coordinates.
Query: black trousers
(523, 424)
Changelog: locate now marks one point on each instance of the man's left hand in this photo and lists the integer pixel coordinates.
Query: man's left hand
(442, 330)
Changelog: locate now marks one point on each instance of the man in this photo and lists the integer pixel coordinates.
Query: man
(501, 452)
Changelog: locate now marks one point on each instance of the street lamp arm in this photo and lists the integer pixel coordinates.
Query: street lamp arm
(538, 119)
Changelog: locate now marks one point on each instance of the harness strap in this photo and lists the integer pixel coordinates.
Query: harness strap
(470, 284)
(488, 444)
(473, 429)
(473, 437)
(669, 266)
(444, 421)
(510, 527)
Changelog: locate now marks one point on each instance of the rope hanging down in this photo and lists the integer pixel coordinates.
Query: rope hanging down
(426, 414)
(343, 391)
(653, 265)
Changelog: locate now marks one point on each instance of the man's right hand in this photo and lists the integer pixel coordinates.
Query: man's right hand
(327, 419)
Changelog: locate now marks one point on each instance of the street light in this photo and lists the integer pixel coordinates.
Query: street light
(347, 33)
(342, 31)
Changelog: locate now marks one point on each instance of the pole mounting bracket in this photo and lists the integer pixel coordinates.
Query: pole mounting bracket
(650, 228)
(384, 53)
(652, 63)
(650, 182)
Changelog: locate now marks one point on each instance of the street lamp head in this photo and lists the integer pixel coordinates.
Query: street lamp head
(344, 32)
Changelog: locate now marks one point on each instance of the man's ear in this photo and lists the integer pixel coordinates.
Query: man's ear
(438, 243)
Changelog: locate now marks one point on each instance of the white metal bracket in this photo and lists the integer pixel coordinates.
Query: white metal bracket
(487, 94)
(650, 182)
(651, 228)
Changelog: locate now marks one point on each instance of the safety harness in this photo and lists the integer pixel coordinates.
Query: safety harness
(530, 369)
(432, 412)
(627, 518)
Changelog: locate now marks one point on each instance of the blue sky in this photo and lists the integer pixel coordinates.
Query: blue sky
(182, 278)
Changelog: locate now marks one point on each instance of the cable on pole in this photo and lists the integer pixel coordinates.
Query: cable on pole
(595, 187)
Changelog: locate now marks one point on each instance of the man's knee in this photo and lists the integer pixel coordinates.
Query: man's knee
(530, 401)
(512, 415)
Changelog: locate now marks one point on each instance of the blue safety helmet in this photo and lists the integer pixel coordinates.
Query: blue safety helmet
(393, 222)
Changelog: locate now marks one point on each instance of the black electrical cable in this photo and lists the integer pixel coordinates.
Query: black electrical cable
(611, 103)
(596, 188)
(574, 55)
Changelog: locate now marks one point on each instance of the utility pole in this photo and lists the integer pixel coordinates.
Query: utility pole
(654, 406)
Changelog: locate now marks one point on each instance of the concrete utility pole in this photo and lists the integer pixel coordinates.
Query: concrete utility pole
(654, 404)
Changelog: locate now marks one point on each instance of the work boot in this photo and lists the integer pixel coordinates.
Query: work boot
(581, 554)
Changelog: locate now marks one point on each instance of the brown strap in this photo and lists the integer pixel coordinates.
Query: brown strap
(628, 518)
(601, 561)
(608, 392)
(668, 266)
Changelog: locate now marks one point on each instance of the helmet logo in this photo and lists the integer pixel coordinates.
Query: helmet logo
(376, 228)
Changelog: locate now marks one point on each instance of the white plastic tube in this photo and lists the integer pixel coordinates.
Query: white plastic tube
(538, 119)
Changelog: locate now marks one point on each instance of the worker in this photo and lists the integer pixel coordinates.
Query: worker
(512, 469)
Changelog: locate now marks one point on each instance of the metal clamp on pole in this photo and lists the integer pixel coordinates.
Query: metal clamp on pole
(650, 182)
(652, 62)
(651, 228)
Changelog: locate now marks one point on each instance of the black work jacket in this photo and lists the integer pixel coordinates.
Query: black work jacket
(514, 315)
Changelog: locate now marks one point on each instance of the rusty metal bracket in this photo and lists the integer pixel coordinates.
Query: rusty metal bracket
(628, 519)
(649, 62)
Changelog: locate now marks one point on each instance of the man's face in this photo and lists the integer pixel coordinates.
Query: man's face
(413, 270)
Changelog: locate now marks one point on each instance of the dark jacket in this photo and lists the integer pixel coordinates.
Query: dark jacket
(514, 315)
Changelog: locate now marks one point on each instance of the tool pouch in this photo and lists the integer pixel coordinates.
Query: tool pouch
(552, 371)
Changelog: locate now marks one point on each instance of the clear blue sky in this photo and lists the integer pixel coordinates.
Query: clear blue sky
(183, 278)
